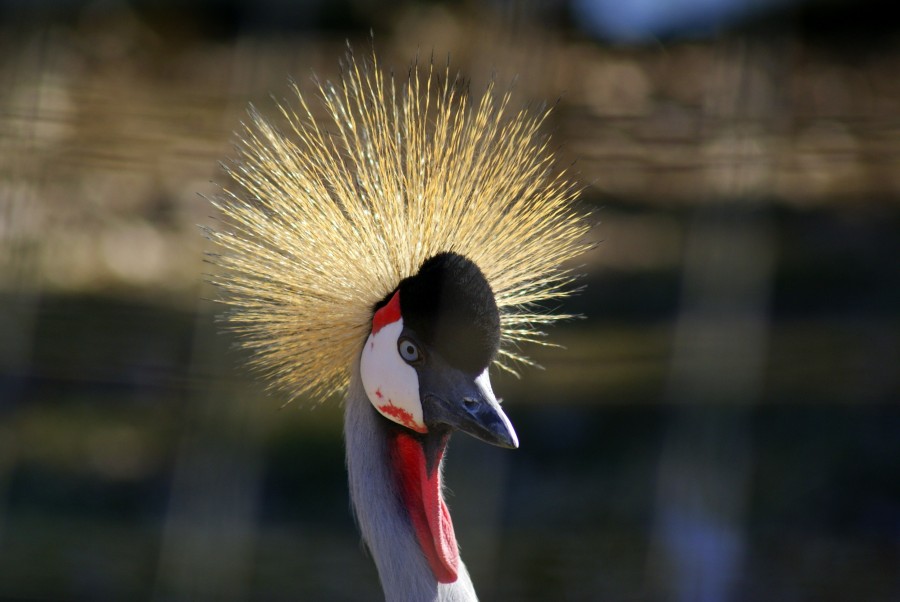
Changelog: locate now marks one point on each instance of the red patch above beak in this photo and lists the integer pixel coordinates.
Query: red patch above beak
(387, 314)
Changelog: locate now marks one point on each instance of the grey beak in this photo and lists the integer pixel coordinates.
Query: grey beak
(466, 403)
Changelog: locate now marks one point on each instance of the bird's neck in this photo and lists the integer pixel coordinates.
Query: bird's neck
(379, 495)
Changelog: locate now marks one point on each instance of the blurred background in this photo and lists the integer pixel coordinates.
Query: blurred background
(723, 426)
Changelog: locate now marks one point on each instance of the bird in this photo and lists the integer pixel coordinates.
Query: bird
(389, 249)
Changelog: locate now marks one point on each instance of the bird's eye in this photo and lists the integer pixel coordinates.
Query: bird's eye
(409, 351)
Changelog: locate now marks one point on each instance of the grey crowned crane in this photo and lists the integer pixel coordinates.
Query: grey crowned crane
(392, 252)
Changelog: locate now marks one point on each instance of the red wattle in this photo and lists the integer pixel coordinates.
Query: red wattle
(422, 497)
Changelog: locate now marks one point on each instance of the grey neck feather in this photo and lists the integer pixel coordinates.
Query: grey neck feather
(385, 526)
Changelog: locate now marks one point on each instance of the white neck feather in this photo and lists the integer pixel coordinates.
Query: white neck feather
(384, 523)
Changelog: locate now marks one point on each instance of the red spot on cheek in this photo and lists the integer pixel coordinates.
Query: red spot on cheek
(378, 394)
(388, 314)
(399, 415)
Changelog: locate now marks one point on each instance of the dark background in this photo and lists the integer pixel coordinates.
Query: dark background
(723, 426)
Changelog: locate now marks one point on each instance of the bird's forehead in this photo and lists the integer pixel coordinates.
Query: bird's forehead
(450, 306)
(387, 313)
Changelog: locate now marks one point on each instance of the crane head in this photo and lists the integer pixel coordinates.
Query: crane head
(425, 363)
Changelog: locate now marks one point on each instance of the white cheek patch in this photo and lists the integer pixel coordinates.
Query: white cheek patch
(391, 384)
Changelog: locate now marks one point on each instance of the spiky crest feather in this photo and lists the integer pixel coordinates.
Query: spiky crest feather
(327, 216)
